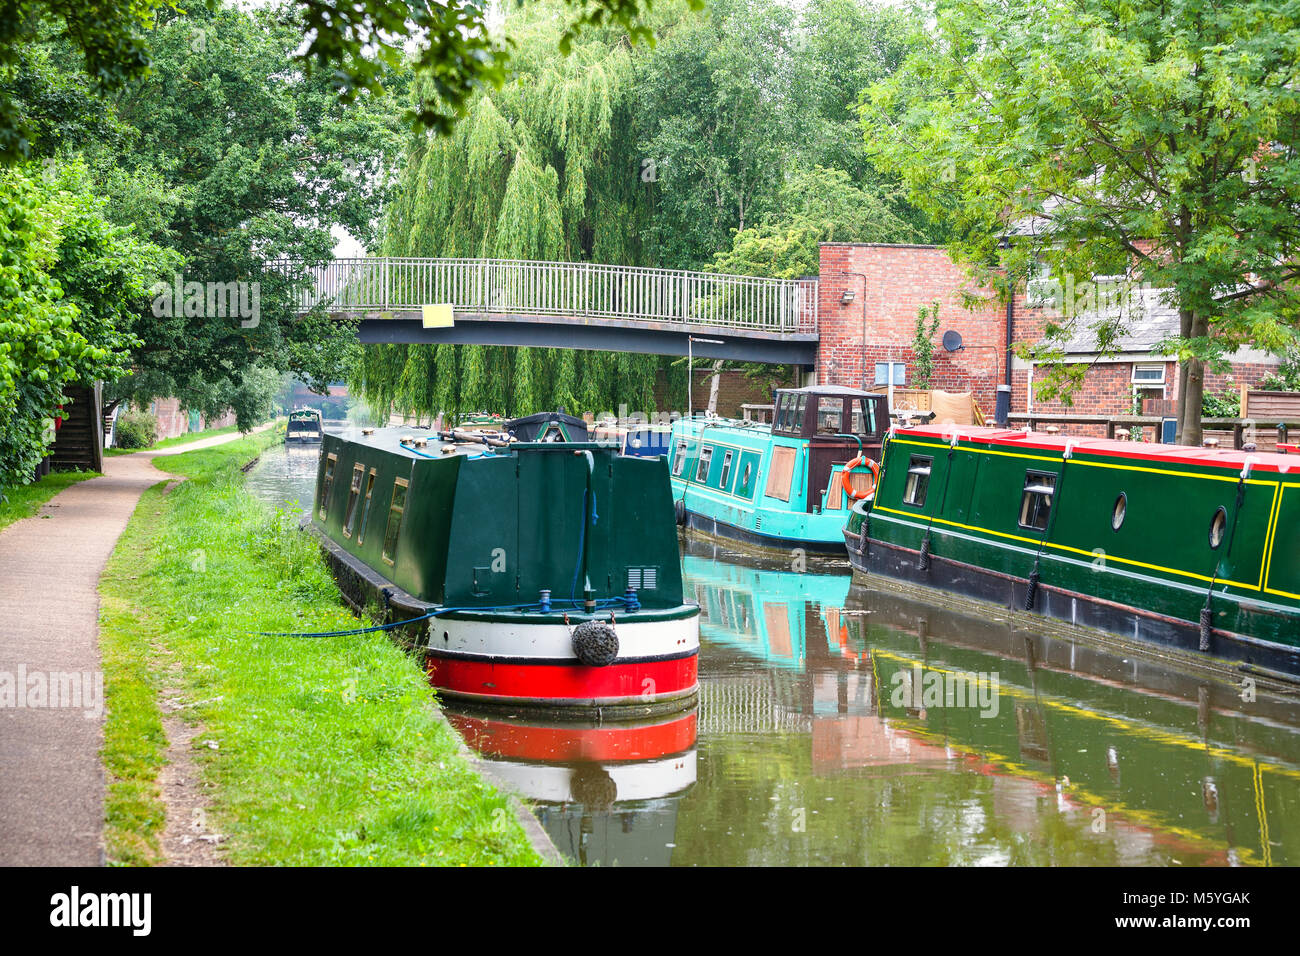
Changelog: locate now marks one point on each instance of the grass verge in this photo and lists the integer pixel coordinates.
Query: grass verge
(314, 751)
(185, 439)
(23, 501)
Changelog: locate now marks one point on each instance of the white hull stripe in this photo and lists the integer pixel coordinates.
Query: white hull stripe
(552, 642)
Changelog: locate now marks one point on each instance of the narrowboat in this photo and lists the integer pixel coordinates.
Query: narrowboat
(783, 485)
(539, 574)
(304, 426)
(1190, 550)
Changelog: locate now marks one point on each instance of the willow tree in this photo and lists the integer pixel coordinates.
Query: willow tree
(545, 169)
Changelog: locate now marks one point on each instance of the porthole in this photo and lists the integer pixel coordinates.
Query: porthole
(1217, 527)
(1121, 508)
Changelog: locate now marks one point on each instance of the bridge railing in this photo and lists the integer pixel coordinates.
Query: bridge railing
(511, 287)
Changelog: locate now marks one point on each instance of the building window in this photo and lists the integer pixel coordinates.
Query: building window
(679, 458)
(354, 495)
(726, 469)
(327, 484)
(1148, 375)
(883, 369)
(1036, 503)
(702, 467)
(395, 512)
(918, 481)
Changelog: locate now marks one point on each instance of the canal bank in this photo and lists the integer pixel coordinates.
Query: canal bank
(301, 751)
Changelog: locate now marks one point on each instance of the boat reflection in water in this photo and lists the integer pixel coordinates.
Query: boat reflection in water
(607, 794)
(849, 725)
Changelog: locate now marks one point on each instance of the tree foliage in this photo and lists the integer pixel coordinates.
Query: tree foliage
(67, 278)
(1159, 139)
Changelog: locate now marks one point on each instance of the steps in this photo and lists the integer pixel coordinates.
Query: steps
(78, 443)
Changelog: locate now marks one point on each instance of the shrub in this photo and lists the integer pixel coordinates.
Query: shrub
(136, 429)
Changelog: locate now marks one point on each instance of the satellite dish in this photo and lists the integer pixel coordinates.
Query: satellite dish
(951, 341)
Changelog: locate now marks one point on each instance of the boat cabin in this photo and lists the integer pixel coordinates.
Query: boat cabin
(839, 424)
(548, 427)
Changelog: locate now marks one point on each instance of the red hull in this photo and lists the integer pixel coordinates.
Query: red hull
(564, 684)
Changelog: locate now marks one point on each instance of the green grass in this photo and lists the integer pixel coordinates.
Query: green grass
(23, 501)
(185, 439)
(329, 751)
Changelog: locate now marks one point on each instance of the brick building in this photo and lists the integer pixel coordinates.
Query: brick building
(868, 300)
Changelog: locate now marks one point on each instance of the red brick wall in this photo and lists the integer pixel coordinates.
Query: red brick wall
(174, 420)
(892, 283)
(734, 389)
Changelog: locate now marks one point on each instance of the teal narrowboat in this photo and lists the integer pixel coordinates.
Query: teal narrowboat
(783, 485)
(547, 572)
(1190, 549)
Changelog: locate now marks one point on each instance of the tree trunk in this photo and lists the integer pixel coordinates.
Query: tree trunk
(1192, 390)
(713, 387)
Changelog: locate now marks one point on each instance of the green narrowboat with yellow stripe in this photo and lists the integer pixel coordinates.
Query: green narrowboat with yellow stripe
(1190, 549)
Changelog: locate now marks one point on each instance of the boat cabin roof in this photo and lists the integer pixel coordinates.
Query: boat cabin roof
(840, 390)
(1109, 447)
(391, 440)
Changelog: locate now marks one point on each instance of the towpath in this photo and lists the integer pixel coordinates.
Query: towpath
(51, 775)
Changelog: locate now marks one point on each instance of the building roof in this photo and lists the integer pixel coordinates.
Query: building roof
(1148, 320)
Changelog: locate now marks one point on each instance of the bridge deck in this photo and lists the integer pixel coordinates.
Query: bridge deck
(658, 300)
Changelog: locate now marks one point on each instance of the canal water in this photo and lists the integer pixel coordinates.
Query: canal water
(839, 724)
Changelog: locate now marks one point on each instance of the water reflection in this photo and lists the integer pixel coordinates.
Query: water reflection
(845, 725)
(607, 794)
(827, 735)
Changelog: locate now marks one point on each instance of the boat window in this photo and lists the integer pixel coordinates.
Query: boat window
(918, 480)
(743, 487)
(1121, 508)
(395, 512)
(327, 485)
(1036, 502)
(1217, 527)
(784, 420)
(800, 406)
(365, 509)
(863, 416)
(679, 458)
(726, 469)
(354, 495)
(830, 415)
(702, 468)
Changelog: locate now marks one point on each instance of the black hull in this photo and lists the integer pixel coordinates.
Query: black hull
(756, 539)
(1238, 654)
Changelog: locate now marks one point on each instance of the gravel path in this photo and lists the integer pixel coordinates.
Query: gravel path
(51, 777)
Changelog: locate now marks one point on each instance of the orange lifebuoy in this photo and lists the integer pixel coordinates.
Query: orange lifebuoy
(848, 486)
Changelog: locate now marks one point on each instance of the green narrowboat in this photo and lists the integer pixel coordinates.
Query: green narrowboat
(304, 425)
(1190, 549)
(548, 572)
(783, 485)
